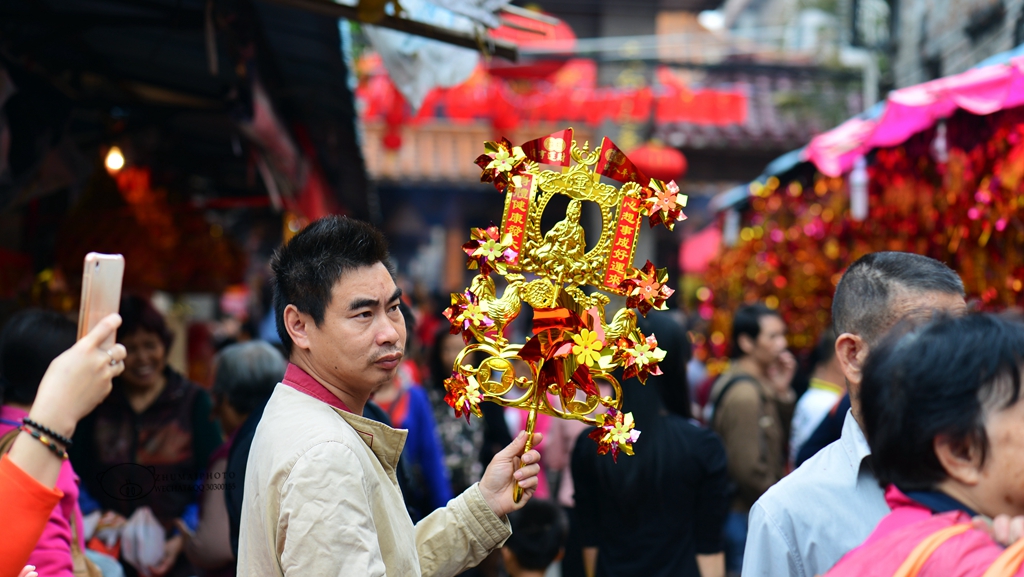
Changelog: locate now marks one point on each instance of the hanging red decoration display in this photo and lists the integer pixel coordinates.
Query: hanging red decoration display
(798, 236)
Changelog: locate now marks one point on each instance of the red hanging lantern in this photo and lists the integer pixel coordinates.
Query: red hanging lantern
(659, 161)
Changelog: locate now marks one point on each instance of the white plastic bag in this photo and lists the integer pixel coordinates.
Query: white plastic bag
(142, 540)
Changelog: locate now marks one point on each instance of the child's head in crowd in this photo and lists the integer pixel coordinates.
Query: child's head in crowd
(538, 537)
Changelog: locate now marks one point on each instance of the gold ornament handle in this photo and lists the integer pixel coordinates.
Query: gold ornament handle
(531, 424)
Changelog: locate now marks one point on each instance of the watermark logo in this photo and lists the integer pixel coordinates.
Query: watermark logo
(128, 481)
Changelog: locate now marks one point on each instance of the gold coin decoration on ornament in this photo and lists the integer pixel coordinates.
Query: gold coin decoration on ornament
(572, 341)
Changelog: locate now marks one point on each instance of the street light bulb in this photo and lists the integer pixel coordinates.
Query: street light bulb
(115, 159)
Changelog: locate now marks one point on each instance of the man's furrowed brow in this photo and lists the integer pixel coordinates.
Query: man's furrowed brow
(363, 303)
(373, 303)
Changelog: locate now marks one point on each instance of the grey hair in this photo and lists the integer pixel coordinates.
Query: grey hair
(862, 304)
(246, 374)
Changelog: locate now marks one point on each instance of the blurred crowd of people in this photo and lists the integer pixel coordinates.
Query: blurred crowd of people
(902, 426)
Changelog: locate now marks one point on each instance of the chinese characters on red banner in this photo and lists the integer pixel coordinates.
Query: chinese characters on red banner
(517, 207)
(620, 258)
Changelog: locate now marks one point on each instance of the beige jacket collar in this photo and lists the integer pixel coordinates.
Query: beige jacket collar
(386, 443)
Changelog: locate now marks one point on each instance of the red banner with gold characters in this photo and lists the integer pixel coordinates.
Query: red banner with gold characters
(551, 149)
(517, 207)
(614, 164)
(620, 257)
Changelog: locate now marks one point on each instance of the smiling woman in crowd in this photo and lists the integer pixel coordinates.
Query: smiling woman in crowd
(153, 433)
(944, 417)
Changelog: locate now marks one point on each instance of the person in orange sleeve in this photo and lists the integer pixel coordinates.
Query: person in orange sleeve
(73, 385)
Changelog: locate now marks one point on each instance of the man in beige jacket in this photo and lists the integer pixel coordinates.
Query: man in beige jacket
(321, 494)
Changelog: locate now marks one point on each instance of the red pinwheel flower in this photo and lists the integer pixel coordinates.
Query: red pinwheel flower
(645, 288)
(466, 314)
(501, 164)
(663, 203)
(640, 359)
(615, 433)
(489, 251)
(463, 395)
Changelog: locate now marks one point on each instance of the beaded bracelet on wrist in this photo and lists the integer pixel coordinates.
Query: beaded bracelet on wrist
(44, 429)
(46, 440)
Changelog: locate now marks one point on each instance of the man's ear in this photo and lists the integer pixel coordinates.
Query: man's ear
(961, 460)
(851, 352)
(297, 324)
(745, 343)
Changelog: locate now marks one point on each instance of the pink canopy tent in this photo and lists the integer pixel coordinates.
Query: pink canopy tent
(910, 110)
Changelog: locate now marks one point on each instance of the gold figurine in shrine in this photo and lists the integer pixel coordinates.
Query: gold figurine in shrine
(572, 342)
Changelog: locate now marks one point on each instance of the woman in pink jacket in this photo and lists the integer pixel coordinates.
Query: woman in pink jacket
(75, 382)
(943, 413)
(30, 340)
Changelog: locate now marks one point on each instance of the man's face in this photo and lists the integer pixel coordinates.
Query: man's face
(771, 340)
(360, 343)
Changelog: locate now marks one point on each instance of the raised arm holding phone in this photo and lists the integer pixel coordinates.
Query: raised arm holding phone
(74, 384)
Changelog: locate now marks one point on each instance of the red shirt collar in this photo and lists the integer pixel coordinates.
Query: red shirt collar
(300, 380)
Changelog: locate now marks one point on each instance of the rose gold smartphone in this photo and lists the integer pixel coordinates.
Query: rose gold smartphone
(101, 291)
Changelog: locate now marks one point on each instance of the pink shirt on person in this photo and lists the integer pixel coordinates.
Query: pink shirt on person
(52, 555)
(968, 554)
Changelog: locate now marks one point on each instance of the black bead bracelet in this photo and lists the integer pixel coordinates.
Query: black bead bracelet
(56, 436)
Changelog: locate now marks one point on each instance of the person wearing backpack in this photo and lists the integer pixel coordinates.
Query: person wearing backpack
(751, 408)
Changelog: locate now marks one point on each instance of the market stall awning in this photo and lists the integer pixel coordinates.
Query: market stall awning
(910, 110)
(994, 84)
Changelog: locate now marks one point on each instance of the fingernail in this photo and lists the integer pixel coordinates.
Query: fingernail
(518, 476)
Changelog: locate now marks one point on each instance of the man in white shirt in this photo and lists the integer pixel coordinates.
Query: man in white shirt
(806, 522)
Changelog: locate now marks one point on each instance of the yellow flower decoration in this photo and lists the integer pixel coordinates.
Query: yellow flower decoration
(587, 348)
(490, 249)
(622, 432)
(475, 313)
(502, 161)
(645, 354)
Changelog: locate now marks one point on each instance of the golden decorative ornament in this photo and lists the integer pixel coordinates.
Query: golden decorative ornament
(572, 342)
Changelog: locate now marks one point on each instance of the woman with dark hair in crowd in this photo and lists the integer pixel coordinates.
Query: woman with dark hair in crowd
(30, 341)
(670, 499)
(73, 384)
(153, 433)
(942, 411)
(460, 441)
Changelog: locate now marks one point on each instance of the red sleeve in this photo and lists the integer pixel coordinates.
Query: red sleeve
(28, 505)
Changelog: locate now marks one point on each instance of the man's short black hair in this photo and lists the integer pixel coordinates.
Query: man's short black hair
(747, 321)
(310, 264)
(942, 378)
(138, 314)
(863, 300)
(247, 373)
(31, 339)
(539, 531)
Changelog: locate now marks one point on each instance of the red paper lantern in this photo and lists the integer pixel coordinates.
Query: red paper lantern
(659, 161)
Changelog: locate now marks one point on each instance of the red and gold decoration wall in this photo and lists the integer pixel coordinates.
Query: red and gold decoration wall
(959, 200)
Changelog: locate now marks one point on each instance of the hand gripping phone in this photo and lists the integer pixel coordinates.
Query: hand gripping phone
(101, 291)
